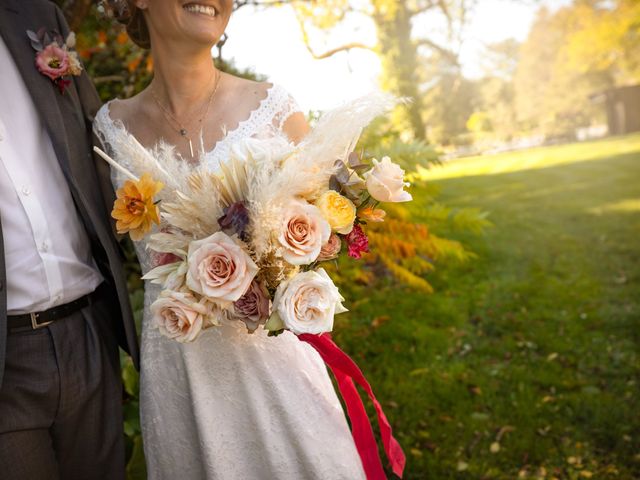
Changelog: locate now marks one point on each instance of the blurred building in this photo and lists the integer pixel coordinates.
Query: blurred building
(622, 106)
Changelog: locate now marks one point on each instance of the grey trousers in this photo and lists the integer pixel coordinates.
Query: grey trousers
(61, 401)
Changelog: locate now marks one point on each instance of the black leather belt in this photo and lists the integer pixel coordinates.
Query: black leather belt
(38, 320)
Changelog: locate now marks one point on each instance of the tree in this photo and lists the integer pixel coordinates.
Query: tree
(400, 49)
(578, 51)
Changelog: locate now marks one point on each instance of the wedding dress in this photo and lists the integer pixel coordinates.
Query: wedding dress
(233, 405)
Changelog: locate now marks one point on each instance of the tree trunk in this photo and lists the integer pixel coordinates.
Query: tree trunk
(399, 57)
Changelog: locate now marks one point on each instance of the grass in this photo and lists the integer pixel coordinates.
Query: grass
(524, 363)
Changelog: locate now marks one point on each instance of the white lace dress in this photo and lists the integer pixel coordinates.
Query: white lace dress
(232, 405)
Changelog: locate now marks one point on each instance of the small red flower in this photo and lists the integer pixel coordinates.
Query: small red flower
(357, 241)
(162, 258)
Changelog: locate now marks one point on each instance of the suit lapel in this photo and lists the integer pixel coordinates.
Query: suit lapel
(14, 23)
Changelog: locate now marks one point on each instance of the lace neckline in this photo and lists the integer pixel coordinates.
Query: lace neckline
(229, 135)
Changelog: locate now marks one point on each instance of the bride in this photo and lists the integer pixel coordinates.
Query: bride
(229, 405)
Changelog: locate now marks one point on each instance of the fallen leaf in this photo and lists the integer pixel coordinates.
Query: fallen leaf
(376, 322)
(495, 447)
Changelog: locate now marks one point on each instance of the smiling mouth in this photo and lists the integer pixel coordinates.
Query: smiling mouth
(203, 9)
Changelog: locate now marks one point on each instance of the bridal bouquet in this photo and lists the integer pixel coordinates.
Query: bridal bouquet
(246, 242)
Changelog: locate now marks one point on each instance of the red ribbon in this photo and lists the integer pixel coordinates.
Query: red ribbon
(346, 372)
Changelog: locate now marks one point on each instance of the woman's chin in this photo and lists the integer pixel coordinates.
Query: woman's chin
(203, 29)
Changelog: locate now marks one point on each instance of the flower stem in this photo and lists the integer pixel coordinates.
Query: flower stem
(115, 164)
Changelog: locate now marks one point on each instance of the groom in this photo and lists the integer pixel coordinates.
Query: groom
(63, 297)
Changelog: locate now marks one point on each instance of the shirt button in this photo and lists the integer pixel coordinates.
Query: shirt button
(44, 247)
(26, 190)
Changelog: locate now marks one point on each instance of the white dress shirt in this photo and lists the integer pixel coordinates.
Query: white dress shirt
(47, 252)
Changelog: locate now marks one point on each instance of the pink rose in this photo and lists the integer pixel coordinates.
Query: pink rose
(358, 242)
(254, 307)
(331, 249)
(53, 61)
(180, 316)
(303, 233)
(219, 268)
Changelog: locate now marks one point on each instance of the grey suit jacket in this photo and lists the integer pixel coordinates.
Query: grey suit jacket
(68, 118)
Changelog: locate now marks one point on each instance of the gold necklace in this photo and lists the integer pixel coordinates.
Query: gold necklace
(172, 119)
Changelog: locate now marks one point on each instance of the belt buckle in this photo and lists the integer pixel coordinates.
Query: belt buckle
(34, 321)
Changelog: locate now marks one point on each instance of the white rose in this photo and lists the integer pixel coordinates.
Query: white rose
(303, 232)
(219, 268)
(307, 302)
(180, 315)
(385, 182)
(260, 150)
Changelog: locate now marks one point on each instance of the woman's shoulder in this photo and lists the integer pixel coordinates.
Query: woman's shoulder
(121, 110)
(272, 94)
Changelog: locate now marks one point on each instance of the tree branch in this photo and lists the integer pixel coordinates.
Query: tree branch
(448, 54)
(425, 8)
(333, 51)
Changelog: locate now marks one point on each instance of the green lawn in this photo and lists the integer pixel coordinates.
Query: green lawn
(524, 363)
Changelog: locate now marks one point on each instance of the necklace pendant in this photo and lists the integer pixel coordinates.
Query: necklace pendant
(183, 132)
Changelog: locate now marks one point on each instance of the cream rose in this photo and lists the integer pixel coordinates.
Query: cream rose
(385, 182)
(303, 233)
(339, 211)
(219, 268)
(307, 302)
(180, 316)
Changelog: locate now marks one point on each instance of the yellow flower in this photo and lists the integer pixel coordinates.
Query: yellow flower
(371, 214)
(134, 208)
(339, 211)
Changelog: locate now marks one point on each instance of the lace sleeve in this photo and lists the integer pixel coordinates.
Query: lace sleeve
(287, 106)
(102, 128)
(106, 131)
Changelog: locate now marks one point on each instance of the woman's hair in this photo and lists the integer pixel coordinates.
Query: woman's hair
(126, 13)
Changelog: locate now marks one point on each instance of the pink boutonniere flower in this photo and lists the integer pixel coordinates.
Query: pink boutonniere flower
(56, 58)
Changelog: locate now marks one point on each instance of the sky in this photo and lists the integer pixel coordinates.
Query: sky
(270, 42)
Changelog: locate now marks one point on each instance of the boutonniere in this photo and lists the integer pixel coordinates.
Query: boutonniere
(56, 58)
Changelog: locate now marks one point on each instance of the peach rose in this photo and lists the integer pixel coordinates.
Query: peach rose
(307, 302)
(385, 182)
(180, 315)
(303, 233)
(219, 268)
(331, 249)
